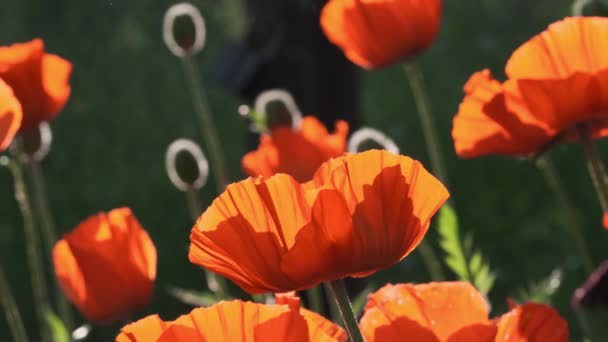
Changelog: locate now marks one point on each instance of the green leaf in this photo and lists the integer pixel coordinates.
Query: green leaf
(468, 264)
(59, 333)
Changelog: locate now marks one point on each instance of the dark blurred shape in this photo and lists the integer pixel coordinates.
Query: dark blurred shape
(593, 294)
(590, 302)
(184, 32)
(590, 8)
(285, 48)
(186, 166)
(277, 114)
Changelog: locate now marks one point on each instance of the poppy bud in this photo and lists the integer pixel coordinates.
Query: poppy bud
(365, 138)
(184, 30)
(37, 141)
(187, 167)
(278, 108)
(589, 8)
(106, 266)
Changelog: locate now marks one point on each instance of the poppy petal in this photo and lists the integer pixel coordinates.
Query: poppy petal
(245, 232)
(430, 312)
(10, 115)
(296, 152)
(228, 321)
(375, 33)
(391, 199)
(532, 323)
(39, 80)
(578, 44)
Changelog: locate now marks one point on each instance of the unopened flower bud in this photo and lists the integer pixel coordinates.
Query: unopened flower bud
(186, 165)
(367, 138)
(36, 142)
(278, 108)
(184, 30)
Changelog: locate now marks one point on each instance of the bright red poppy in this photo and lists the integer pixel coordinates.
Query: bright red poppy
(360, 213)
(107, 266)
(296, 152)
(39, 80)
(235, 321)
(453, 312)
(10, 115)
(376, 33)
(556, 83)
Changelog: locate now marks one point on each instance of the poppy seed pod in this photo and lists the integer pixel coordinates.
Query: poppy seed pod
(37, 141)
(181, 37)
(10, 115)
(106, 266)
(39, 80)
(453, 311)
(376, 33)
(278, 108)
(365, 135)
(360, 213)
(236, 321)
(186, 165)
(296, 152)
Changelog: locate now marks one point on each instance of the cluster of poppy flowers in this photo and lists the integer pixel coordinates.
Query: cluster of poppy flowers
(311, 213)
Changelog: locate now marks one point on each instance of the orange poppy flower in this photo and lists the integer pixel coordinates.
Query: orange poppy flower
(39, 80)
(360, 213)
(106, 266)
(246, 322)
(296, 152)
(376, 33)
(453, 312)
(10, 115)
(556, 82)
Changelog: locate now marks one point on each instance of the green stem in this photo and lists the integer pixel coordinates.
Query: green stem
(430, 260)
(431, 139)
(545, 165)
(35, 261)
(315, 299)
(215, 283)
(209, 130)
(425, 114)
(340, 295)
(13, 318)
(595, 166)
(49, 233)
(333, 307)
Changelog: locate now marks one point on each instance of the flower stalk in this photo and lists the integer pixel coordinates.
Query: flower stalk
(215, 283)
(11, 311)
(207, 125)
(425, 114)
(595, 166)
(49, 233)
(573, 225)
(35, 260)
(340, 295)
(427, 120)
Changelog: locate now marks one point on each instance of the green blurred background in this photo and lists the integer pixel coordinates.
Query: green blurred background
(130, 100)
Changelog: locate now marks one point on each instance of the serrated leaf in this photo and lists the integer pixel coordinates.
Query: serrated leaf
(476, 262)
(59, 333)
(543, 290)
(474, 269)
